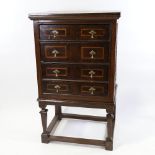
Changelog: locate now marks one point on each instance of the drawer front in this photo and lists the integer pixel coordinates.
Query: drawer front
(55, 52)
(75, 52)
(54, 87)
(93, 89)
(75, 72)
(54, 32)
(95, 32)
(92, 73)
(75, 32)
(94, 52)
(75, 88)
(56, 71)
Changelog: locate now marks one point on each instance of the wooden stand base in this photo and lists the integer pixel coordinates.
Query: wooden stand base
(46, 137)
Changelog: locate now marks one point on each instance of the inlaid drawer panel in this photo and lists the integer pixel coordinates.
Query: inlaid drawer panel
(93, 89)
(77, 72)
(53, 71)
(75, 52)
(55, 32)
(95, 32)
(57, 71)
(57, 87)
(94, 52)
(55, 52)
(75, 88)
(93, 72)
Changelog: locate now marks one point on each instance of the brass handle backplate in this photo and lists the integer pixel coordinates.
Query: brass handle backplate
(92, 53)
(55, 52)
(92, 89)
(57, 87)
(92, 33)
(56, 72)
(91, 73)
(53, 33)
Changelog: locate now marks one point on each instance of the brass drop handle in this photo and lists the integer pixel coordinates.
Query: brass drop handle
(57, 87)
(92, 53)
(92, 89)
(56, 72)
(91, 73)
(92, 33)
(54, 33)
(55, 52)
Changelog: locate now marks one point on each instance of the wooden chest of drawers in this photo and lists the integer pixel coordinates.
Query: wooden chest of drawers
(76, 57)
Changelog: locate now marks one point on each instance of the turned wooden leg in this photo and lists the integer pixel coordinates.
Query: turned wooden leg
(109, 139)
(45, 134)
(58, 111)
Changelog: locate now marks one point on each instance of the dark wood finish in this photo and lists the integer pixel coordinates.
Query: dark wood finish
(79, 52)
(77, 88)
(77, 72)
(109, 144)
(47, 138)
(85, 117)
(77, 140)
(45, 133)
(58, 111)
(76, 65)
(52, 124)
(94, 32)
(67, 32)
(75, 16)
(79, 103)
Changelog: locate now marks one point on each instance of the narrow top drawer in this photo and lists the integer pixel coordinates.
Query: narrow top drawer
(74, 32)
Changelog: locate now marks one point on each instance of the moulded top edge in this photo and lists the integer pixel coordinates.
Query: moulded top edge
(83, 15)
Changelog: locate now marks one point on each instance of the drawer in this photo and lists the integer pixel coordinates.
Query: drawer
(75, 32)
(57, 87)
(75, 88)
(58, 71)
(55, 52)
(93, 89)
(75, 71)
(75, 52)
(94, 32)
(94, 52)
(54, 32)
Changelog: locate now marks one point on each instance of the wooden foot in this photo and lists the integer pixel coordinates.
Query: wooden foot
(109, 144)
(45, 138)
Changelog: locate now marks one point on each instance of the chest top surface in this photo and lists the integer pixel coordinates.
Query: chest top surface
(74, 15)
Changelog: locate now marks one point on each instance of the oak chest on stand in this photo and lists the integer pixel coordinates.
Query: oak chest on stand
(76, 58)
